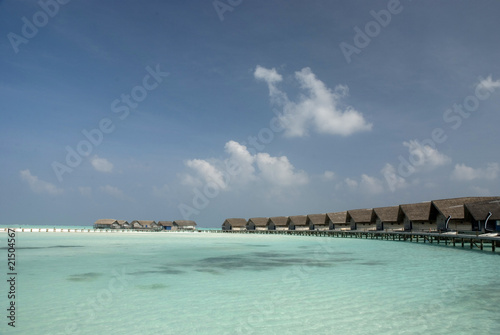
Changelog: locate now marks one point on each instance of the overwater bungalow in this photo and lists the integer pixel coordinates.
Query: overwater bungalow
(279, 222)
(419, 216)
(338, 221)
(136, 224)
(299, 222)
(484, 216)
(125, 224)
(318, 221)
(143, 224)
(184, 224)
(235, 224)
(389, 218)
(165, 225)
(259, 223)
(105, 223)
(116, 225)
(451, 212)
(362, 219)
(122, 223)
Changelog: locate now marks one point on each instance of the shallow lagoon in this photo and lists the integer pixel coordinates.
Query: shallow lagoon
(203, 283)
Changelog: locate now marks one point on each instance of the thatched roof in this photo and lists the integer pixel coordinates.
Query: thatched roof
(387, 214)
(298, 220)
(165, 223)
(317, 219)
(105, 222)
(122, 222)
(259, 222)
(455, 207)
(338, 217)
(417, 212)
(479, 210)
(145, 222)
(279, 220)
(183, 223)
(236, 222)
(361, 215)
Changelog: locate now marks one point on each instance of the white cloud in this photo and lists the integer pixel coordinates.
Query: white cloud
(424, 156)
(85, 191)
(351, 183)
(242, 168)
(319, 108)
(279, 171)
(243, 159)
(101, 164)
(189, 180)
(37, 185)
(367, 185)
(370, 185)
(114, 192)
(207, 172)
(462, 172)
(271, 77)
(328, 175)
(394, 181)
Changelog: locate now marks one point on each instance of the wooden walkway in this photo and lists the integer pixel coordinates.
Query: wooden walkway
(479, 242)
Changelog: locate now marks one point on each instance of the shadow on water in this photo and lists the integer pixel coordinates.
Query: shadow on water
(85, 277)
(165, 270)
(372, 263)
(254, 261)
(152, 287)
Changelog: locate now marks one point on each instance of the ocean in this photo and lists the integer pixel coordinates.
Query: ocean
(205, 283)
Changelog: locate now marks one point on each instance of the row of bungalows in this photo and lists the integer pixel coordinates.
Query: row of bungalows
(457, 214)
(149, 225)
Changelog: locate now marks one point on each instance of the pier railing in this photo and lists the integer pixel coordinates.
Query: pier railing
(478, 241)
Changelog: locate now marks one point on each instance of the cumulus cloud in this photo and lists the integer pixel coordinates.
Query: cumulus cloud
(366, 185)
(37, 185)
(462, 172)
(351, 183)
(394, 181)
(319, 108)
(279, 171)
(371, 185)
(328, 175)
(424, 156)
(242, 168)
(101, 164)
(207, 171)
(240, 156)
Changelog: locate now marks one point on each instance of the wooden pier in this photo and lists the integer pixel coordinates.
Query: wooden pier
(478, 242)
(469, 241)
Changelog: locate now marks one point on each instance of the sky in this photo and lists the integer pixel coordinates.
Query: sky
(205, 110)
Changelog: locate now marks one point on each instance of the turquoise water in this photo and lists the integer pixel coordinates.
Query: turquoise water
(203, 283)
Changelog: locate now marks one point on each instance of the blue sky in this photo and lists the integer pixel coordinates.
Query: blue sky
(206, 110)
